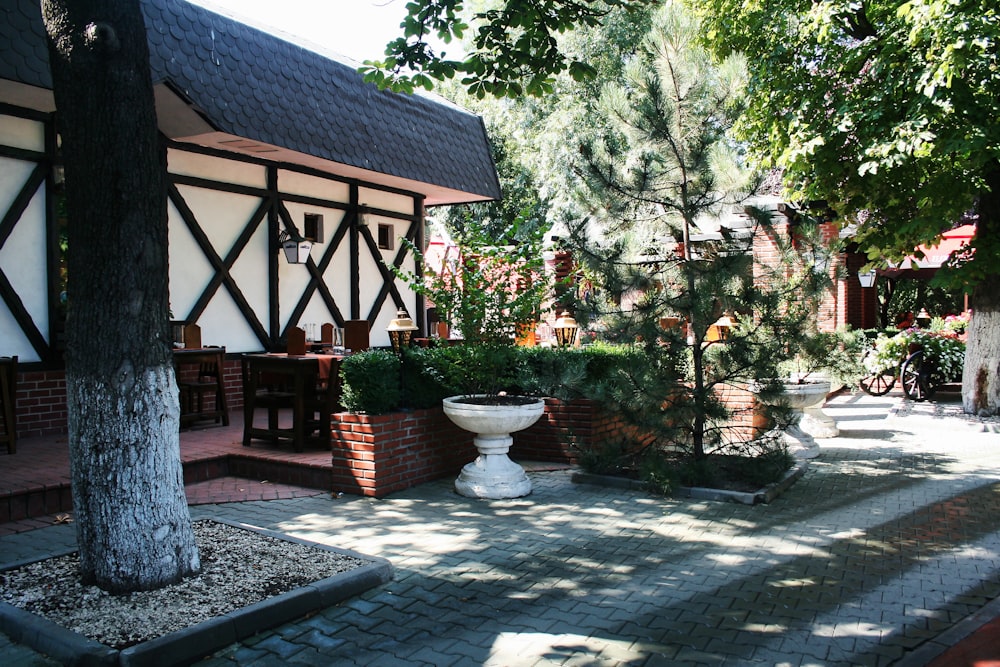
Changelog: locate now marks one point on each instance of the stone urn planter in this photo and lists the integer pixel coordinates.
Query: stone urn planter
(493, 475)
(805, 399)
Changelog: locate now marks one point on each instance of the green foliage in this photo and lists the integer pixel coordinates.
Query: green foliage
(426, 381)
(372, 379)
(514, 51)
(898, 296)
(663, 164)
(522, 203)
(489, 290)
(836, 354)
(370, 382)
(877, 107)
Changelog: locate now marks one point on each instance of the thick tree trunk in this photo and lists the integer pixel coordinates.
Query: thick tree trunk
(133, 525)
(981, 374)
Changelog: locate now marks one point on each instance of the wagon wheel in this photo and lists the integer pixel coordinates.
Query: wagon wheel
(916, 377)
(878, 384)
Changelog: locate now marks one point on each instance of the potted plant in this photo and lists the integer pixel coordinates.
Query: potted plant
(488, 294)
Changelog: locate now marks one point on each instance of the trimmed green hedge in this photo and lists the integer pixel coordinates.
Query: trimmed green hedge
(376, 381)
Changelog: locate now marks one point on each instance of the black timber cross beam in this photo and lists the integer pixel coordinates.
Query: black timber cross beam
(7, 292)
(388, 279)
(222, 267)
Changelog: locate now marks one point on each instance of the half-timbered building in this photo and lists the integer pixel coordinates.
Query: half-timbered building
(263, 136)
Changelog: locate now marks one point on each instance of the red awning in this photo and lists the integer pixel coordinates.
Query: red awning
(934, 256)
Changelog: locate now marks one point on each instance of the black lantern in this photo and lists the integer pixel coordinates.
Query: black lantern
(400, 330)
(565, 329)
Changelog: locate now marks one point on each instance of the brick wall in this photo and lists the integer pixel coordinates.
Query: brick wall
(376, 455)
(41, 399)
(41, 403)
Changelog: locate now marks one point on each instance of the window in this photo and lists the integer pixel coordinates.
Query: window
(312, 227)
(386, 236)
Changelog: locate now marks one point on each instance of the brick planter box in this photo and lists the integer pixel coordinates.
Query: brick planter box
(376, 455)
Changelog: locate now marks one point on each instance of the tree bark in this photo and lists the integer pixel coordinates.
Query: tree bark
(981, 373)
(133, 525)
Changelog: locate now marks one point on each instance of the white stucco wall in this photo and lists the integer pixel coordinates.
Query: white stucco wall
(22, 256)
(222, 217)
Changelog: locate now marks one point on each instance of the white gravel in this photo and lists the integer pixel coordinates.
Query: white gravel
(239, 567)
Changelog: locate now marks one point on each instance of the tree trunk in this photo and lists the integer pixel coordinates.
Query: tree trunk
(133, 525)
(981, 373)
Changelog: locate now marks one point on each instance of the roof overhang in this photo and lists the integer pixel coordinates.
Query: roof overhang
(180, 121)
(434, 195)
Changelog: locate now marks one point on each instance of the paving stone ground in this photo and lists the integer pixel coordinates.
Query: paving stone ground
(890, 539)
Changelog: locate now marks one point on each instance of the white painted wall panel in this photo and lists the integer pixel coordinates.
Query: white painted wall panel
(23, 260)
(385, 200)
(189, 269)
(292, 182)
(216, 169)
(22, 133)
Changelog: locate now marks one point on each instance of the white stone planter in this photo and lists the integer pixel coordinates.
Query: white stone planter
(808, 419)
(493, 475)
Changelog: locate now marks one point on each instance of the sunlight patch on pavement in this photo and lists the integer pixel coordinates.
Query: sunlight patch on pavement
(518, 648)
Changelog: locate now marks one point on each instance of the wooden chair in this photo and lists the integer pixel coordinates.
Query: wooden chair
(8, 396)
(296, 341)
(356, 335)
(207, 380)
(192, 336)
(268, 391)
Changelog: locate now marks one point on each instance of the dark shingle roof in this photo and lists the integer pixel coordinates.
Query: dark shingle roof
(249, 83)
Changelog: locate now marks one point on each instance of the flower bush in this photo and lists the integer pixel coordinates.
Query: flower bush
(952, 325)
(945, 350)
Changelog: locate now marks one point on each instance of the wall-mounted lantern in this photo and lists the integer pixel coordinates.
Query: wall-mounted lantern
(867, 278)
(296, 248)
(719, 330)
(400, 330)
(565, 329)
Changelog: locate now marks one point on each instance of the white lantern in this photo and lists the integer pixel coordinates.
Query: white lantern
(867, 278)
(296, 249)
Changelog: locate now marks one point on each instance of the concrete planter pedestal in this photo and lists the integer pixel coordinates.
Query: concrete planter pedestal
(492, 475)
(808, 419)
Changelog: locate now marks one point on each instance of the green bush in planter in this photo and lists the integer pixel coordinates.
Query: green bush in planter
(425, 383)
(371, 382)
(555, 372)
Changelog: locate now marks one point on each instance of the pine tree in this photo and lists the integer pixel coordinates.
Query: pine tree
(665, 165)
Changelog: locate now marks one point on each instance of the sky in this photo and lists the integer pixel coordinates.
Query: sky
(356, 28)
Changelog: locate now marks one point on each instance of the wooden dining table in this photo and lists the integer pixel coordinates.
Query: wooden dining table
(307, 384)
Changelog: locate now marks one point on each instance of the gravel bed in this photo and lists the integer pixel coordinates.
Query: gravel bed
(238, 567)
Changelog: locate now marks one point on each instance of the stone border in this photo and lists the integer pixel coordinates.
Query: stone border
(195, 642)
(764, 495)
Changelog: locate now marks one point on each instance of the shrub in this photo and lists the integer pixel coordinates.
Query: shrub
(371, 382)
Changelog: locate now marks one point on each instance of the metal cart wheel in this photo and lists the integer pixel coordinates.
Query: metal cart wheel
(878, 384)
(916, 377)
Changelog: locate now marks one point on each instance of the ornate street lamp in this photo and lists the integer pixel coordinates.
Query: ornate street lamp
(565, 329)
(400, 330)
